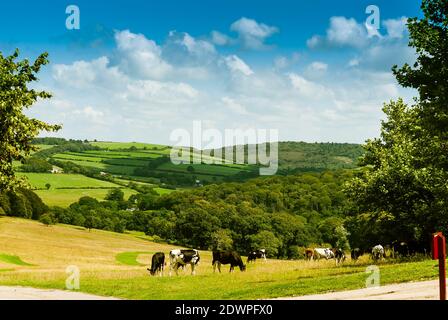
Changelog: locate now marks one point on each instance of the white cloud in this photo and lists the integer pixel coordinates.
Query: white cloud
(234, 106)
(221, 39)
(342, 32)
(318, 66)
(373, 52)
(150, 90)
(82, 74)
(140, 57)
(314, 42)
(89, 112)
(308, 88)
(194, 46)
(347, 32)
(283, 62)
(353, 62)
(251, 33)
(396, 28)
(115, 98)
(236, 65)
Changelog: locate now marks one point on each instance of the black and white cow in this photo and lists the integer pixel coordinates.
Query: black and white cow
(356, 253)
(378, 253)
(157, 264)
(339, 255)
(180, 258)
(400, 249)
(253, 255)
(320, 253)
(227, 257)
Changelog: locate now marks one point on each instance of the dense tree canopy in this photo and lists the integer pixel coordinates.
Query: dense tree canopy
(16, 129)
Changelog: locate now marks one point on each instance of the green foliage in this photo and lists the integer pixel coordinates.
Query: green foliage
(115, 195)
(62, 145)
(47, 219)
(267, 240)
(36, 165)
(280, 214)
(5, 204)
(401, 193)
(20, 206)
(17, 131)
(22, 203)
(286, 210)
(222, 240)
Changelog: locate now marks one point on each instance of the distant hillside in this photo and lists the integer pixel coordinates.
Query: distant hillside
(313, 157)
(302, 156)
(150, 164)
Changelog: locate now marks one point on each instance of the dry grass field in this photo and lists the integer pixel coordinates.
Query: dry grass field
(113, 264)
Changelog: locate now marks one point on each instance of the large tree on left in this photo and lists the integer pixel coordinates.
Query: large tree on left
(17, 131)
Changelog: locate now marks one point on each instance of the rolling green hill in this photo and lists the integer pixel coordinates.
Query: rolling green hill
(93, 168)
(150, 160)
(313, 157)
(68, 188)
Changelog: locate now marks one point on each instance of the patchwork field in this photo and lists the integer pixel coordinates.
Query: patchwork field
(68, 188)
(124, 162)
(58, 181)
(114, 264)
(65, 197)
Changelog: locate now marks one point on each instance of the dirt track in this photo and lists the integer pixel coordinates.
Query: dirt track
(23, 293)
(425, 290)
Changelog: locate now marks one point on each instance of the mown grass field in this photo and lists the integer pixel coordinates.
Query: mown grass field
(68, 188)
(39, 180)
(114, 264)
(65, 197)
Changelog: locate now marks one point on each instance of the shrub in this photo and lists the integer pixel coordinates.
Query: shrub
(115, 195)
(36, 165)
(47, 219)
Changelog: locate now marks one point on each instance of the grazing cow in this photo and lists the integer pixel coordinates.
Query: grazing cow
(339, 255)
(227, 257)
(309, 254)
(400, 249)
(356, 253)
(253, 255)
(326, 253)
(378, 252)
(157, 263)
(180, 258)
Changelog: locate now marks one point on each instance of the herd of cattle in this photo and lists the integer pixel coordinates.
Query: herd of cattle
(179, 258)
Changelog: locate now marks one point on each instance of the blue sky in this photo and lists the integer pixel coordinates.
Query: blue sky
(307, 68)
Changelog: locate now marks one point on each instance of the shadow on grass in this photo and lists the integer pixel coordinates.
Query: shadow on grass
(14, 260)
(130, 258)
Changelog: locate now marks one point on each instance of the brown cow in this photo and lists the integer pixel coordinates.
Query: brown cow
(309, 254)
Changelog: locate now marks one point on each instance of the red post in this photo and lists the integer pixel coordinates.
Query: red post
(439, 252)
